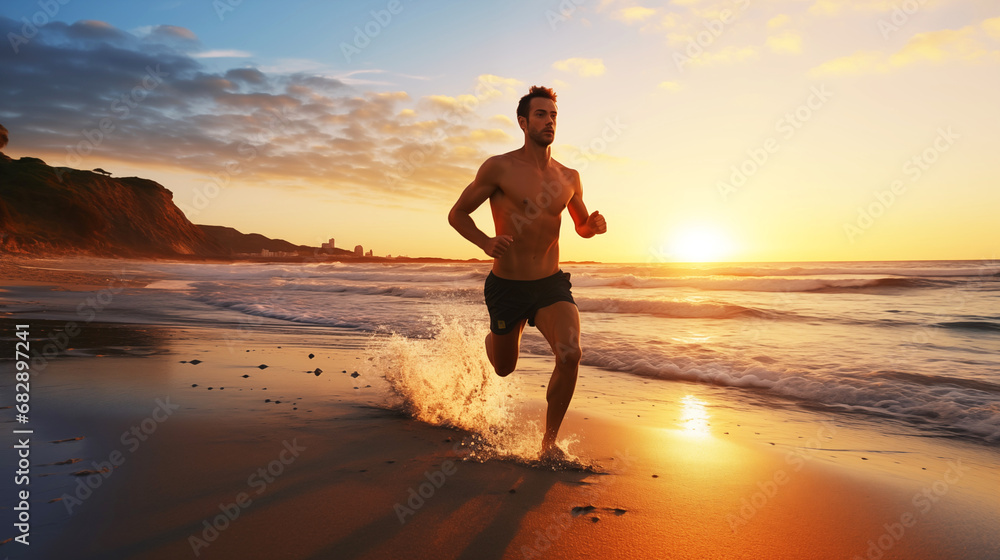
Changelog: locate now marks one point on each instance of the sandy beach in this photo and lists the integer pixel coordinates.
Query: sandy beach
(154, 441)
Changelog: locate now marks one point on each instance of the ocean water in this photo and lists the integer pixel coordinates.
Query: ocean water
(918, 342)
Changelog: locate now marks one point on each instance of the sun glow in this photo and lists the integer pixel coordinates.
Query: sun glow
(694, 417)
(699, 244)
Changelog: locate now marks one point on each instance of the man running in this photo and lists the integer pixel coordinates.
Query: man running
(528, 191)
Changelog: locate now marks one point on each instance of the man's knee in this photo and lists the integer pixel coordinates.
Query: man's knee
(568, 354)
(505, 369)
(504, 358)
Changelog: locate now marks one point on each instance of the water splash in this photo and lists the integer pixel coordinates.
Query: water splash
(447, 380)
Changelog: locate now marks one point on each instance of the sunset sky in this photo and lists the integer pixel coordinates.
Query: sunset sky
(748, 130)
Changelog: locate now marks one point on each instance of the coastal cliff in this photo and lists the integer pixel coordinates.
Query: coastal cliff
(48, 210)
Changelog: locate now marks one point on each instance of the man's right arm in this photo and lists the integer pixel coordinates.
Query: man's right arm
(479, 191)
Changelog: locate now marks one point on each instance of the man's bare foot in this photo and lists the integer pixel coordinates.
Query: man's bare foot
(553, 455)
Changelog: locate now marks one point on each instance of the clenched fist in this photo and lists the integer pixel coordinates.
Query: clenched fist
(498, 245)
(596, 223)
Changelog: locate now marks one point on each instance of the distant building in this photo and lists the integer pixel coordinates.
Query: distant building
(369, 253)
(359, 251)
(328, 245)
(266, 253)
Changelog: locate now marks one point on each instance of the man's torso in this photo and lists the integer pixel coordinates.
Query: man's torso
(528, 206)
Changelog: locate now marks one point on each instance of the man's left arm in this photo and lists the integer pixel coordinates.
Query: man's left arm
(587, 225)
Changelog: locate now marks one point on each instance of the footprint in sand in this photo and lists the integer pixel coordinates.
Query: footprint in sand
(583, 510)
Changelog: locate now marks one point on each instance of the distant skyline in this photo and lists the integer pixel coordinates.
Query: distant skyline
(778, 130)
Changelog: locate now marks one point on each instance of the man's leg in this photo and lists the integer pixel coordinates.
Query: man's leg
(502, 349)
(560, 324)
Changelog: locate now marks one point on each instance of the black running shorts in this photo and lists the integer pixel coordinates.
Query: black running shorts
(510, 301)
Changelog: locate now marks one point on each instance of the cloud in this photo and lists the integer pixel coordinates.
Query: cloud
(248, 75)
(92, 30)
(669, 86)
(89, 91)
(489, 86)
(860, 62)
(223, 53)
(164, 33)
(836, 7)
(778, 21)
(992, 27)
(634, 14)
(689, 25)
(464, 102)
(727, 55)
(581, 66)
(787, 42)
(502, 120)
(832, 7)
(969, 44)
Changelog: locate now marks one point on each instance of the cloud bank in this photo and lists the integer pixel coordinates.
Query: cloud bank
(77, 91)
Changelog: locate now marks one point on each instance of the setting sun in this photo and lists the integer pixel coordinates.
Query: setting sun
(698, 244)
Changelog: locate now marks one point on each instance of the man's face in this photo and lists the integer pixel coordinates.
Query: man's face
(541, 126)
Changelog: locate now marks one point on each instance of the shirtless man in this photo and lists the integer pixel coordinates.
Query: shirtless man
(528, 191)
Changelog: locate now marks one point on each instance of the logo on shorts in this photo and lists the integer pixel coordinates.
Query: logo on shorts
(501, 325)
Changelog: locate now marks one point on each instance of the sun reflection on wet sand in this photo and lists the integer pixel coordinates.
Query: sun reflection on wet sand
(694, 417)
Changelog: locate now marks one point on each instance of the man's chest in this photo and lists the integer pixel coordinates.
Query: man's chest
(534, 190)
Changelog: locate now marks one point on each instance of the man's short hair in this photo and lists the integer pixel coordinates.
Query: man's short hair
(536, 91)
